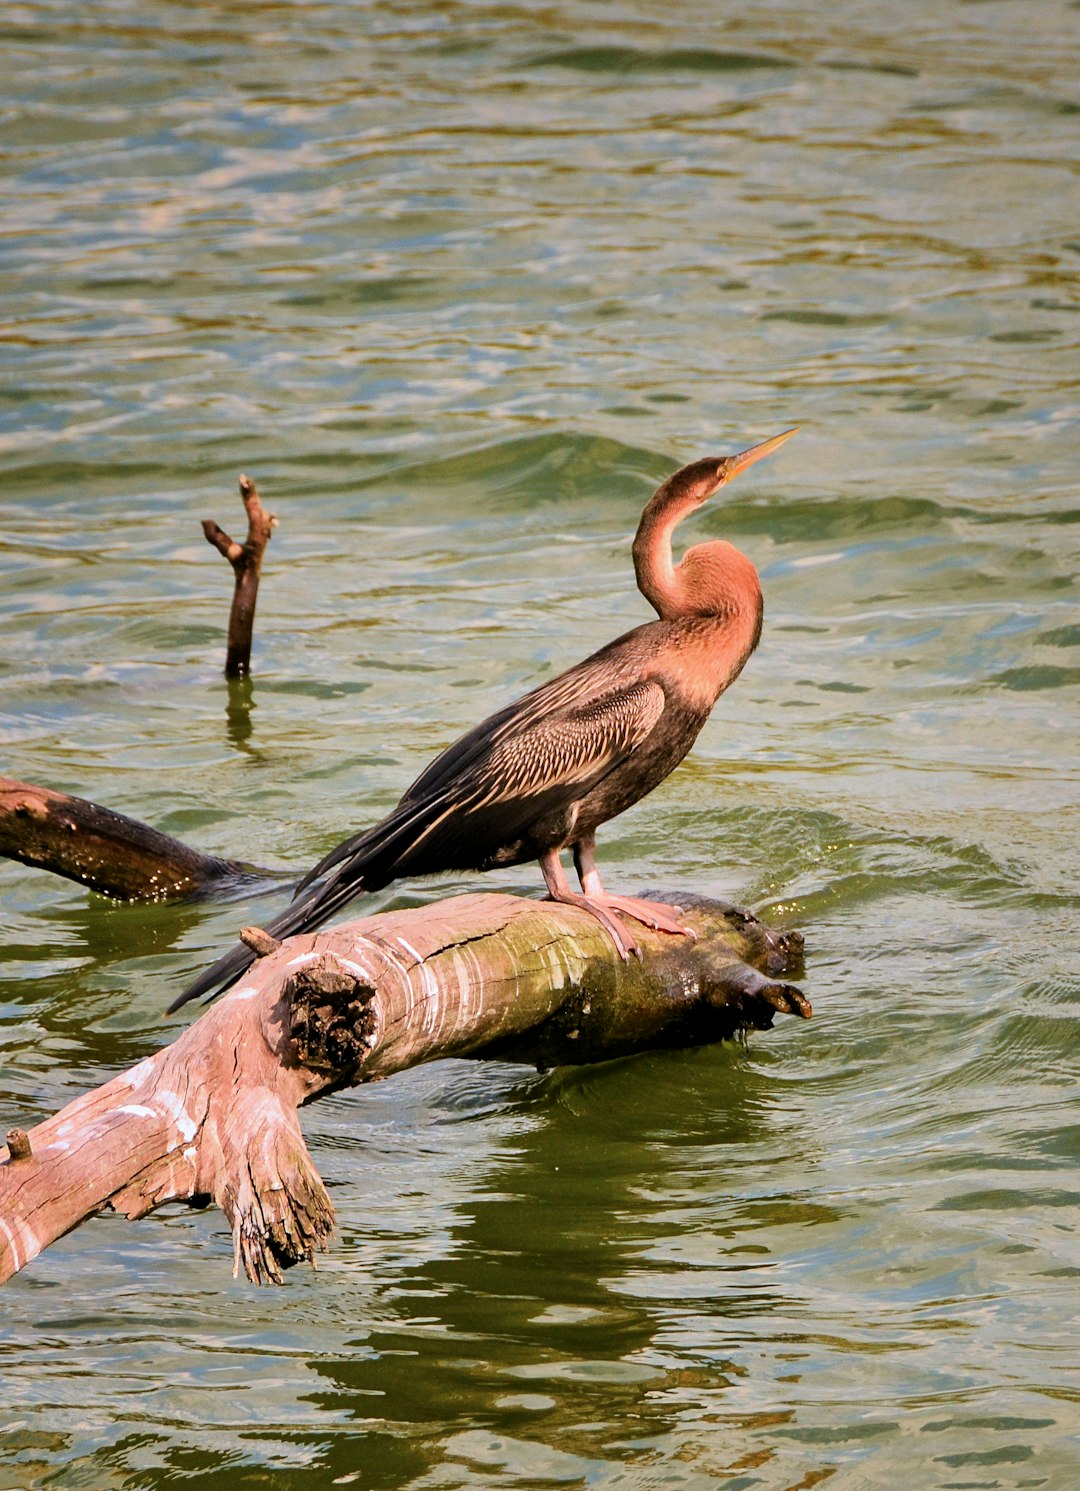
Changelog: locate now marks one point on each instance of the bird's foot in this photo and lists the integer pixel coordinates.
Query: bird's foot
(624, 940)
(655, 914)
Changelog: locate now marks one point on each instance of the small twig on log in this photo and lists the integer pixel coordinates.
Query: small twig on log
(109, 852)
(487, 976)
(18, 1145)
(261, 943)
(246, 560)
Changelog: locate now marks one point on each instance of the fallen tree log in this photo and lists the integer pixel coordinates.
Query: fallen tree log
(106, 851)
(214, 1115)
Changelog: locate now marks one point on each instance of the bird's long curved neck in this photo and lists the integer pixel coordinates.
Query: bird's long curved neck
(654, 563)
(713, 579)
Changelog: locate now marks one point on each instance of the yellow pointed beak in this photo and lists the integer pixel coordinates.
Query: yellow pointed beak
(738, 463)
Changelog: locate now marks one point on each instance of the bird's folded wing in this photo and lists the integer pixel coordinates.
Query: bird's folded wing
(586, 684)
(524, 776)
(505, 784)
(571, 749)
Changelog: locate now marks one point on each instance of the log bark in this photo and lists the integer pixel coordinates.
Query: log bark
(246, 560)
(109, 852)
(215, 1114)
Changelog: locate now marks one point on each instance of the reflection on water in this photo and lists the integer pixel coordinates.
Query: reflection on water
(459, 286)
(239, 709)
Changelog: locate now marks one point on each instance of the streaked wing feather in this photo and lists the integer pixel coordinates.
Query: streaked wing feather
(506, 783)
(578, 687)
(573, 748)
(455, 764)
(538, 770)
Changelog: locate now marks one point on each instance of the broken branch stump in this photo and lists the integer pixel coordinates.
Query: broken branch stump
(109, 852)
(246, 560)
(215, 1116)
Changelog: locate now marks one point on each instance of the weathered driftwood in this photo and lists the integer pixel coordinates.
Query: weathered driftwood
(214, 1115)
(107, 851)
(246, 560)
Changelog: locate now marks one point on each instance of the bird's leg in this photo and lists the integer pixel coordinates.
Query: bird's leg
(655, 914)
(559, 890)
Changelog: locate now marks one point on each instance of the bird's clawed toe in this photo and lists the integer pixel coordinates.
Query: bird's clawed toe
(655, 914)
(624, 940)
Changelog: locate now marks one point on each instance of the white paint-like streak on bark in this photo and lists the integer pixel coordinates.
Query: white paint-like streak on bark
(554, 968)
(140, 1072)
(475, 980)
(434, 1007)
(408, 986)
(568, 968)
(357, 969)
(174, 1108)
(139, 1110)
(12, 1244)
(362, 947)
(30, 1245)
(463, 1000)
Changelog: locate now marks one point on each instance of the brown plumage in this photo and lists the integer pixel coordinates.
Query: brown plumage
(542, 774)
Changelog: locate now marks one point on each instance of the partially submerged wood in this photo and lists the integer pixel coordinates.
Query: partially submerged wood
(214, 1115)
(107, 851)
(246, 560)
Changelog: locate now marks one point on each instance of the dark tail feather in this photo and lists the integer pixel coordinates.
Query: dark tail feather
(378, 846)
(302, 915)
(217, 977)
(367, 861)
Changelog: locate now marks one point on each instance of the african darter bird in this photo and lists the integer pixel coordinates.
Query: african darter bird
(543, 773)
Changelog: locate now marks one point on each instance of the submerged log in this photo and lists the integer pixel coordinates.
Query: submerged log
(109, 852)
(214, 1115)
(246, 560)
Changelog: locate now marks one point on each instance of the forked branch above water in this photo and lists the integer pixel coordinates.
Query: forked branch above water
(246, 560)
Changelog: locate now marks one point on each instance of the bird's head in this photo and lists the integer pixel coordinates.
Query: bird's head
(700, 582)
(696, 483)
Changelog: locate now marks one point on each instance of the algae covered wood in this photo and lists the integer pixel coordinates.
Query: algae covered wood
(214, 1115)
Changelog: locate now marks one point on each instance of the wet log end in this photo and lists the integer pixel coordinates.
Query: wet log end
(106, 851)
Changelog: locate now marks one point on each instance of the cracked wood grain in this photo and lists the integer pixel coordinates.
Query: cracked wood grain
(215, 1114)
